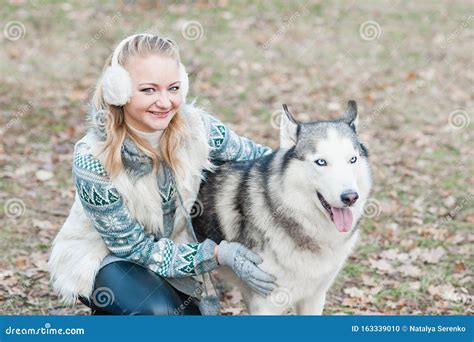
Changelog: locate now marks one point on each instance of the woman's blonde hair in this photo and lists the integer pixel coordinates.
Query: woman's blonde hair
(116, 127)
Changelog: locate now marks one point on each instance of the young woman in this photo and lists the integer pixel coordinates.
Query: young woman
(127, 246)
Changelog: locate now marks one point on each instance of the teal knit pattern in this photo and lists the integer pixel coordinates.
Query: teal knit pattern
(226, 145)
(125, 237)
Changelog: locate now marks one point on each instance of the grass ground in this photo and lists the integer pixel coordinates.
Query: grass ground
(408, 65)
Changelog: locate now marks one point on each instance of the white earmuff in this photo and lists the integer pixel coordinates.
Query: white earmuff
(117, 86)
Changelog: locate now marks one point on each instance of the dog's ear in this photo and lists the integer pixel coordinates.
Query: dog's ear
(288, 129)
(350, 116)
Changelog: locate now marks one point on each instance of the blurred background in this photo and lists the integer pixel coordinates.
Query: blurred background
(408, 64)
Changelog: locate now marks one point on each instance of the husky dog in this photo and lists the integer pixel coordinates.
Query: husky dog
(298, 208)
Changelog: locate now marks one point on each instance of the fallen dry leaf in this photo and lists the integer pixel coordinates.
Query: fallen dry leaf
(44, 175)
(459, 267)
(445, 291)
(354, 292)
(409, 270)
(382, 265)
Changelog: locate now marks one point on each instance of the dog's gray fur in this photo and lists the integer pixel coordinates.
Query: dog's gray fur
(271, 206)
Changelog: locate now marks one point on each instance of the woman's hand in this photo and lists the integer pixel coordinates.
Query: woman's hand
(244, 264)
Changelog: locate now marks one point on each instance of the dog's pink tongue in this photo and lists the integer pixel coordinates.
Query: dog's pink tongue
(342, 218)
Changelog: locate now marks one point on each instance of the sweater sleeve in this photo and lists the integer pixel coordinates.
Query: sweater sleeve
(226, 145)
(123, 235)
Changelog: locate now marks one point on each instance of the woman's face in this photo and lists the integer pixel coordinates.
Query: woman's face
(156, 92)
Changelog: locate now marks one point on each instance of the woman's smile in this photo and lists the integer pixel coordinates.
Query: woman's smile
(161, 114)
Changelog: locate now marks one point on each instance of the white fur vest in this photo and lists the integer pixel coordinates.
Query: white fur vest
(78, 249)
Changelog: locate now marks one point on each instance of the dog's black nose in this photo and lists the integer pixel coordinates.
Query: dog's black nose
(349, 197)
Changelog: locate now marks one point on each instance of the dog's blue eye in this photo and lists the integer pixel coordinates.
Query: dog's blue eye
(353, 160)
(321, 162)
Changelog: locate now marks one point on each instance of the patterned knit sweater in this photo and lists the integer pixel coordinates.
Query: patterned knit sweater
(125, 237)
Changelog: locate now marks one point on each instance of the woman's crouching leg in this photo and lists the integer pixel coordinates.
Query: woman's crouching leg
(125, 288)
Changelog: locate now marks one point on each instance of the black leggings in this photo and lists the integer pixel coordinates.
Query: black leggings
(126, 288)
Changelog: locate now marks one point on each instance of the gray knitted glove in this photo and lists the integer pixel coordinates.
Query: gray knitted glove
(243, 262)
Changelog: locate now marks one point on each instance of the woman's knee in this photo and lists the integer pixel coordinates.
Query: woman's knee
(162, 300)
(158, 306)
(125, 288)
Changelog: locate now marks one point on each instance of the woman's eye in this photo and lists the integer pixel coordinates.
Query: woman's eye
(353, 160)
(321, 162)
(148, 90)
(175, 88)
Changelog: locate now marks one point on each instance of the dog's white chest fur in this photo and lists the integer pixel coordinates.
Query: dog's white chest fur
(304, 277)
